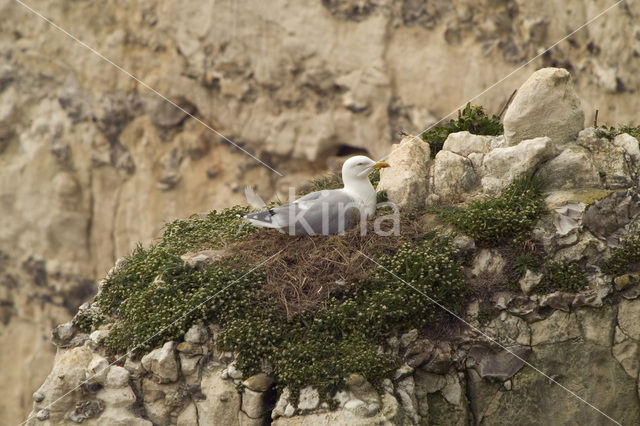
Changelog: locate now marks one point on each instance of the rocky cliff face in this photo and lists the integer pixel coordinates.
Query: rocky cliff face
(91, 162)
(572, 327)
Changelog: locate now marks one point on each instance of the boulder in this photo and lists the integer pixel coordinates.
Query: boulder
(117, 377)
(63, 383)
(465, 143)
(253, 403)
(222, 401)
(406, 180)
(162, 363)
(545, 105)
(572, 169)
(391, 413)
(488, 262)
(309, 399)
(502, 165)
(497, 363)
(452, 175)
(628, 315)
(529, 281)
(260, 382)
(559, 327)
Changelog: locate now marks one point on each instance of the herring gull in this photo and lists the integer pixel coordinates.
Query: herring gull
(328, 211)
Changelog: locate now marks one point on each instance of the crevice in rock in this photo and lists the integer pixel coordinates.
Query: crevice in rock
(348, 150)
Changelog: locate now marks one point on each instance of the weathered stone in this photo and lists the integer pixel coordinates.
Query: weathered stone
(260, 382)
(557, 300)
(97, 369)
(87, 410)
(253, 404)
(402, 372)
(405, 181)
(529, 281)
(158, 412)
(597, 324)
(576, 364)
(190, 367)
(117, 397)
(63, 333)
(222, 402)
(608, 215)
(488, 262)
(502, 165)
(499, 364)
(233, 371)
(197, 333)
(465, 143)
(408, 338)
(545, 105)
(630, 145)
(117, 377)
(309, 399)
(43, 415)
(189, 348)
(572, 169)
(188, 416)
(626, 280)
(452, 175)
(407, 398)
(389, 413)
(628, 315)
(627, 353)
(559, 327)
(162, 362)
(281, 404)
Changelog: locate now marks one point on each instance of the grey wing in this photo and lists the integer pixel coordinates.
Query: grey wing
(319, 213)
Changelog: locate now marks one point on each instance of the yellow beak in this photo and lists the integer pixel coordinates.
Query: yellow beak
(380, 165)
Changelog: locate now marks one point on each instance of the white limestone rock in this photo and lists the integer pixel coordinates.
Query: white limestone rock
(117, 377)
(406, 180)
(502, 165)
(545, 105)
(465, 143)
(162, 362)
(452, 175)
(309, 399)
(572, 169)
(97, 369)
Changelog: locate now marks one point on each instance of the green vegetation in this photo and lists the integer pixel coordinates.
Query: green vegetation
(497, 220)
(153, 297)
(612, 132)
(472, 119)
(562, 275)
(524, 261)
(622, 258)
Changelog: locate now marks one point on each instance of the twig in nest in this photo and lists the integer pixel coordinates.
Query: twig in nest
(595, 119)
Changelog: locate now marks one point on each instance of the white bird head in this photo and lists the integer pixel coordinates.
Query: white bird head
(359, 167)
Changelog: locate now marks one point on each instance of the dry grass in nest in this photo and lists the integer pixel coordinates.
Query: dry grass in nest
(311, 269)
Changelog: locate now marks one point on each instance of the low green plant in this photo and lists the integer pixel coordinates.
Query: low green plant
(623, 257)
(472, 119)
(87, 320)
(561, 275)
(611, 132)
(496, 220)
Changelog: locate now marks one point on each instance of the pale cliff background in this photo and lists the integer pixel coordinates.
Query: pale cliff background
(91, 162)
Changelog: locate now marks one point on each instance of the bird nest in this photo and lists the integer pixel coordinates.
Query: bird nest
(309, 270)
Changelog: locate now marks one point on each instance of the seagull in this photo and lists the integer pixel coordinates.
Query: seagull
(327, 212)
